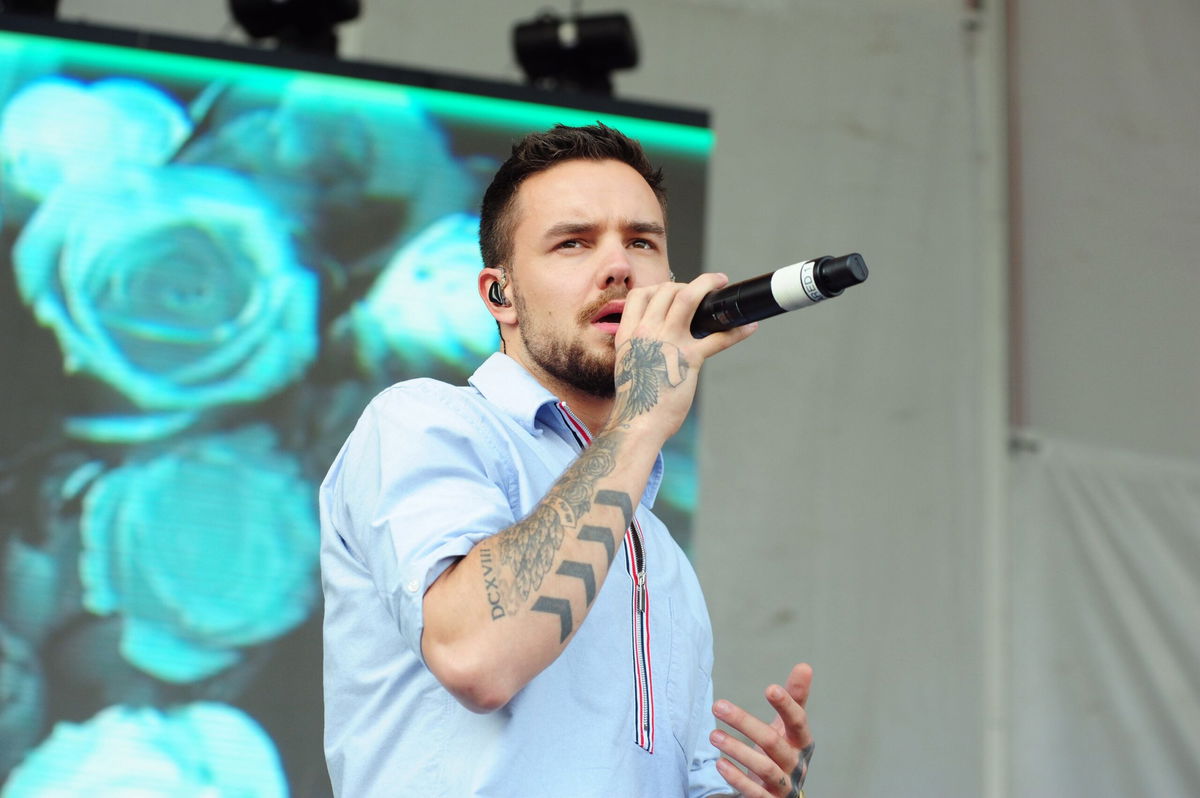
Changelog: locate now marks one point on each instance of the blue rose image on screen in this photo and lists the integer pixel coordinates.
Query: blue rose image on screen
(423, 311)
(202, 549)
(202, 749)
(180, 287)
(351, 145)
(58, 130)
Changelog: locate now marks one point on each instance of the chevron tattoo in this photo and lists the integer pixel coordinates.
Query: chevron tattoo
(583, 572)
(560, 607)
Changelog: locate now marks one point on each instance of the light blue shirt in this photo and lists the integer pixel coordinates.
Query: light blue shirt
(429, 471)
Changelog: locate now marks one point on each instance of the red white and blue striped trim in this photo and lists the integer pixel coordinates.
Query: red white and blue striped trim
(577, 427)
(635, 566)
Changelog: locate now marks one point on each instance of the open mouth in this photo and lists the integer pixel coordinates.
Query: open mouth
(609, 313)
(608, 317)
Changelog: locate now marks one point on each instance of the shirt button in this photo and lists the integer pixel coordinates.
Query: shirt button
(413, 586)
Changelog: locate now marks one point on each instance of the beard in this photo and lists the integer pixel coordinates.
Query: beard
(569, 360)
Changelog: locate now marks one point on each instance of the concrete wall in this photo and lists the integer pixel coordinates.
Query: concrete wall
(1108, 120)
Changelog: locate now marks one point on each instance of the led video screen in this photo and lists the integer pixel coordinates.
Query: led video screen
(210, 259)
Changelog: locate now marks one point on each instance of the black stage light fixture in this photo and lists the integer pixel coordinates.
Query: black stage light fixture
(33, 8)
(576, 53)
(306, 25)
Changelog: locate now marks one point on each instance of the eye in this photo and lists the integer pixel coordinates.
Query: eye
(570, 243)
(642, 243)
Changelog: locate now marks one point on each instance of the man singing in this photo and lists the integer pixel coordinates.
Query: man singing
(504, 615)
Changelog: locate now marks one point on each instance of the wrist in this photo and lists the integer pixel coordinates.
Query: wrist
(641, 432)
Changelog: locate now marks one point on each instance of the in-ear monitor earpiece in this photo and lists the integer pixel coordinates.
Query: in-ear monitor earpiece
(496, 294)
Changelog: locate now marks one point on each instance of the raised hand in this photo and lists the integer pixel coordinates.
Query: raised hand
(657, 359)
(777, 763)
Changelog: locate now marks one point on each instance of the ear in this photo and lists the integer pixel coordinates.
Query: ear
(505, 314)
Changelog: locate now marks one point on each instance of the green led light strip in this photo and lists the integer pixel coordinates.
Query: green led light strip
(519, 115)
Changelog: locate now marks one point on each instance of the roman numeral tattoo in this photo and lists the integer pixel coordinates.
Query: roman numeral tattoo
(518, 558)
(491, 584)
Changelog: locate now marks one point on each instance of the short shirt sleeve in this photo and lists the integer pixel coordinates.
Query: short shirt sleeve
(421, 481)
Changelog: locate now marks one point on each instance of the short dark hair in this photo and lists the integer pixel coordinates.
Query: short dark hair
(536, 153)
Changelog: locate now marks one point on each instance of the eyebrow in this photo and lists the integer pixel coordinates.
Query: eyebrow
(578, 228)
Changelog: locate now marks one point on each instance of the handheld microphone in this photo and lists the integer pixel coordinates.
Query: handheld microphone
(790, 288)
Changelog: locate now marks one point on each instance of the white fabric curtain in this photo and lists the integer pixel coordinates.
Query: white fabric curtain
(1105, 654)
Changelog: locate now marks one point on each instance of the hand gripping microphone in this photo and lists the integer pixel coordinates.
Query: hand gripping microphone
(790, 288)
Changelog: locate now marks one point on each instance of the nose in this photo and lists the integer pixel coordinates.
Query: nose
(615, 267)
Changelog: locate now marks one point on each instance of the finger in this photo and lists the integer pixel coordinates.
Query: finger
(692, 294)
(799, 682)
(745, 785)
(754, 760)
(631, 315)
(661, 301)
(782, 754)
(793, 715)
(743, 721)
(719, 342)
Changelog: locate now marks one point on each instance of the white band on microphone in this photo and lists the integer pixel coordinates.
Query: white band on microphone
(794, 287)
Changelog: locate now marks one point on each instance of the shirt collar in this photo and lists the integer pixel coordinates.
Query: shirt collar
(506, 384)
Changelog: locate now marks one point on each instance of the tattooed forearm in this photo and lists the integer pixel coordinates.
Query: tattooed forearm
(645, 367)
(519, 557)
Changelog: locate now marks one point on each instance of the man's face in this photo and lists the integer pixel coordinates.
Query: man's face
(587, 232)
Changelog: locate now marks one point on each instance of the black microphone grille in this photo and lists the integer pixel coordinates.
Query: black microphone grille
(836, 274)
